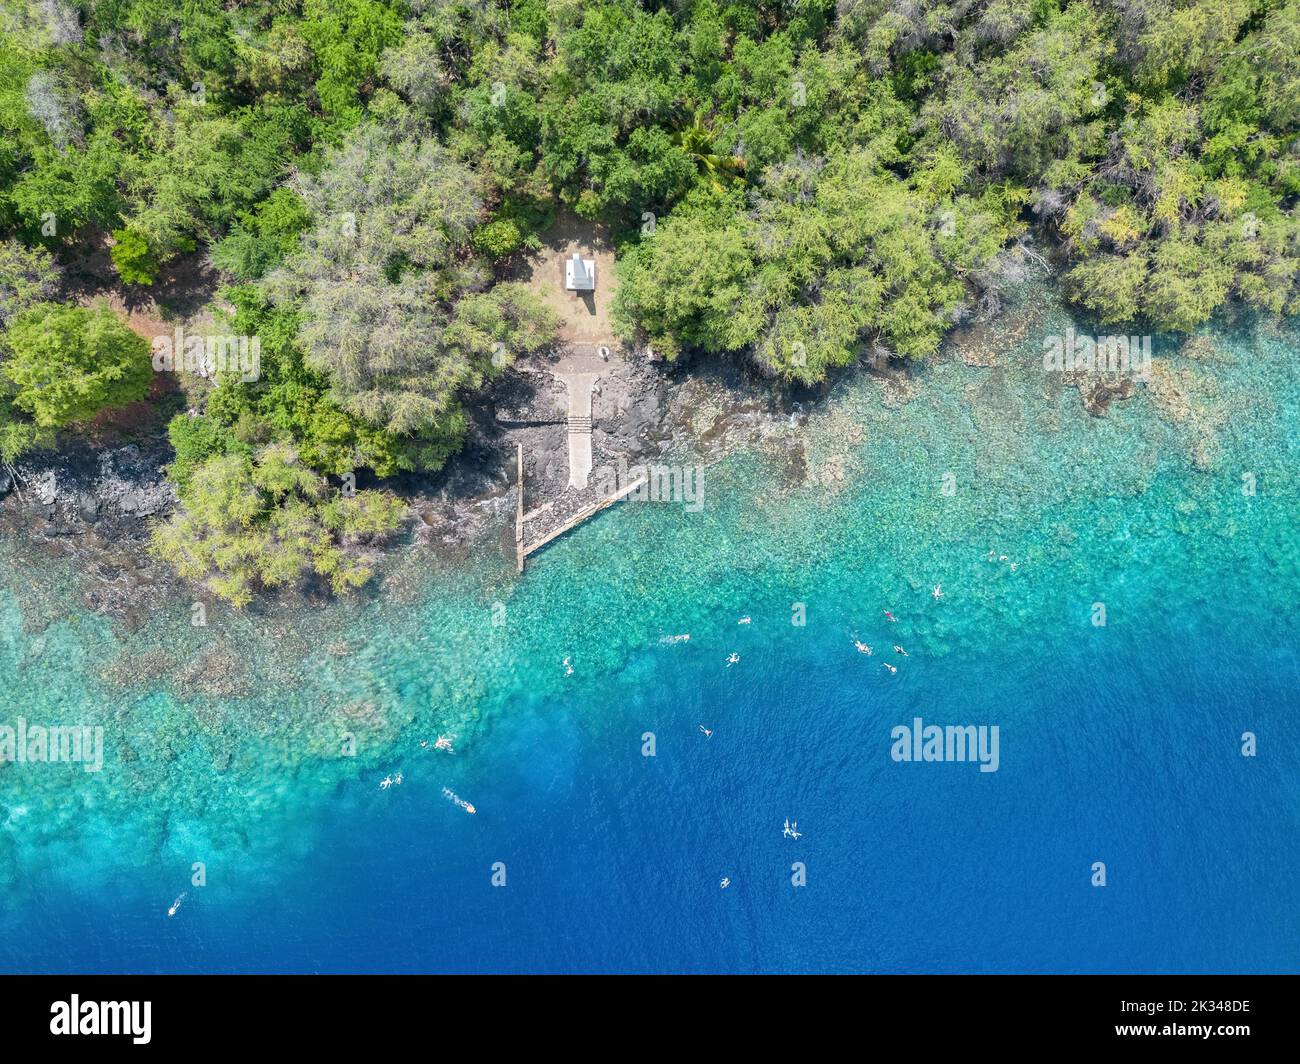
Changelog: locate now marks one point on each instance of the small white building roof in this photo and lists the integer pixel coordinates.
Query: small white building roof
(579, 274)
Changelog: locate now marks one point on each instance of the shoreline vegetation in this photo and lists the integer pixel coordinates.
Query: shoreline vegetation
(362, 187)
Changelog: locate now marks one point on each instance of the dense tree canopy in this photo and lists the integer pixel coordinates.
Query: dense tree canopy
(393, 310)
(1154, 140)
(830, 251)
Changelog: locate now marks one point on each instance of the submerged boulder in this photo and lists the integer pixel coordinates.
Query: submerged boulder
(1104, 391)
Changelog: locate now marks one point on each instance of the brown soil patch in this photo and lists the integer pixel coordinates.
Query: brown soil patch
(180, 295)
(585, 315)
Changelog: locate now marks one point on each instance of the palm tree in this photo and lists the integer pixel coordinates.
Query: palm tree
(696, 139)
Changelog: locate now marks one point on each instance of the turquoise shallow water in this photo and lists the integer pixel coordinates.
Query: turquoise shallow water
(1119, 744)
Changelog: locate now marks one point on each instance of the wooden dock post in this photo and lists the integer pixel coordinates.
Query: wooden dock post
(519, 513)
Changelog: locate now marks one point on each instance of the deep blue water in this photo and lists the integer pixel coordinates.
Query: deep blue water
(1112, 750)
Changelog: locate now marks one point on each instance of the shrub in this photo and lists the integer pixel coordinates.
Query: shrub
(132, 257)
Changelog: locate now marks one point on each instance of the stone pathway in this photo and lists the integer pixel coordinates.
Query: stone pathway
(578, 371)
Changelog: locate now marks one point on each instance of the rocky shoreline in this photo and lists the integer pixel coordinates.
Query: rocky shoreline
(95, 504)
(92, 506)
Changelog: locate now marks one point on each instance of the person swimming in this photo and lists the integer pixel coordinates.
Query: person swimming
(890, 667)
(176, 904)
(899, 650)
(725, 883)
(743, 620)
(385, 783)
(890, 616)
(732, 659)
(444, 743)
(862, 647)
(456, 799)
(568, 668)
(708, 732)
(937, 592)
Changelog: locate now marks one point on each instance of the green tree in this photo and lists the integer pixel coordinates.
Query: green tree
(264, 236)
(66, 363)
(27, 276)
(17, 434)
(348, 37)
(265, 520)
(393, 307)
(696, 140)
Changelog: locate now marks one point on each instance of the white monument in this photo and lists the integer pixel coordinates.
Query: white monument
(580, 274)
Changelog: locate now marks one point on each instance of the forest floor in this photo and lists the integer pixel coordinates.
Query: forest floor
(182, 295)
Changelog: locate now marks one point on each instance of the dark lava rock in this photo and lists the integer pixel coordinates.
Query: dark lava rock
(1098, 398)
